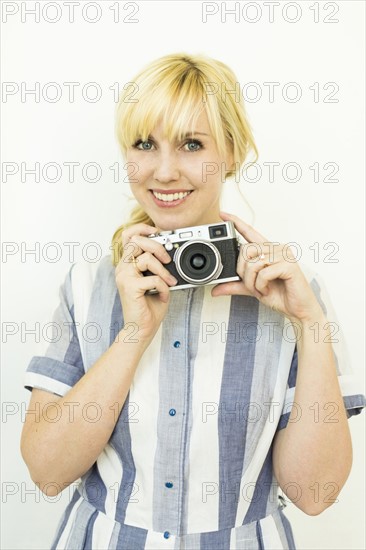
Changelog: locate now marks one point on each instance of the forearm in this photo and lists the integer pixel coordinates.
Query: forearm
(315, 453)
(60, 452)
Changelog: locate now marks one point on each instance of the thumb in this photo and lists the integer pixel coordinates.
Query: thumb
(227, 289)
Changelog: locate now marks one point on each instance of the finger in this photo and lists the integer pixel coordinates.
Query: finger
(144, 244)
(270, 273)
(244, 271)
(130, 251)
(247, 231)
(154, 282)
(137, 229)
(239, 287)
(253, 252)
(251, 273)
(147, 261)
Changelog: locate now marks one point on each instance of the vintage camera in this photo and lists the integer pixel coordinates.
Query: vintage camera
(201, 255)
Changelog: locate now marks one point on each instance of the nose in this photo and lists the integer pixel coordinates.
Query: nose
(166, 169)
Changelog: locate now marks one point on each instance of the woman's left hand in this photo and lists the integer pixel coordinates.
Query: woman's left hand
(270, 273)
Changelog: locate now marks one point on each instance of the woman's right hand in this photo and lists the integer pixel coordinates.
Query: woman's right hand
(145, 311)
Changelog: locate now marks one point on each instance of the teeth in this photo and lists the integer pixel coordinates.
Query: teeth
(168, 197)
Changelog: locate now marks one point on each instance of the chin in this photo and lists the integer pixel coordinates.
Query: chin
(169, 226)
(172, 222)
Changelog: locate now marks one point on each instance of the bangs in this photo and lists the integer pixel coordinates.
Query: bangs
(175, 98)
(174, 91)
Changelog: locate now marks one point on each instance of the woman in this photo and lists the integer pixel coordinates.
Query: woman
(189, 409)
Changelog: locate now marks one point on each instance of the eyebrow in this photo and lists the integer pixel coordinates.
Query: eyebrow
(196, 133)
(186, 135)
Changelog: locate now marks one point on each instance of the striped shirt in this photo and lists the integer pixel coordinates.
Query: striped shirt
(188, 464)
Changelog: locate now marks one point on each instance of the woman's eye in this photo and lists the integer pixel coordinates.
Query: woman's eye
(193, 145)
(143, 145)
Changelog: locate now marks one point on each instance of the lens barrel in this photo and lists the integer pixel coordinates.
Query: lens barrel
(198, 262)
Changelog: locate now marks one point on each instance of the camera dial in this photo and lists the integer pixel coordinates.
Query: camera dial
(168, 245)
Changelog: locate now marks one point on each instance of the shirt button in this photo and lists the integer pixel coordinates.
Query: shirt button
(169, 484)
(177, 344)
(172, 412)
(166, 534)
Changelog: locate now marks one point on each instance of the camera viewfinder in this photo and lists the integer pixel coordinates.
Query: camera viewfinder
(218, 231)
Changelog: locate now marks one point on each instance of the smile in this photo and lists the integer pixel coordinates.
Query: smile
(170, 199)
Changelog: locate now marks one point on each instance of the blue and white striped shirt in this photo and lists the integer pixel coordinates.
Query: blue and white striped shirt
(188, 464)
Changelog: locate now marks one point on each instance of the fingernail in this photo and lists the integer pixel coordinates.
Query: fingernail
(173, 279)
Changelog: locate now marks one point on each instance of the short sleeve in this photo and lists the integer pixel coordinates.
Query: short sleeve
(61, 367)
(353, 397)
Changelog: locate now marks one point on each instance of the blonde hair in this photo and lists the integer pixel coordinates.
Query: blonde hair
(175, 89)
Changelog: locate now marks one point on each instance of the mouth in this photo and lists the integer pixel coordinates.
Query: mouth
(173, 198)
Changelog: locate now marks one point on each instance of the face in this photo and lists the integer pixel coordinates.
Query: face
(178, 184)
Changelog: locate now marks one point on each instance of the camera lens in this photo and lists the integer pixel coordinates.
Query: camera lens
(198, 262)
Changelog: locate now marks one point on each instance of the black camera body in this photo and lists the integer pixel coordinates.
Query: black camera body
(201, 255)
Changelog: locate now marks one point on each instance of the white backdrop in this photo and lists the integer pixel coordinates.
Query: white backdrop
(300, 66)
